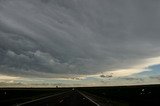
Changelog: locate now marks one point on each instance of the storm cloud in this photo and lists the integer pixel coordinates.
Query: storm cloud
(77, 36)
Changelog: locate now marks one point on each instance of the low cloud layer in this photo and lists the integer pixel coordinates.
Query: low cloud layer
(76, 36)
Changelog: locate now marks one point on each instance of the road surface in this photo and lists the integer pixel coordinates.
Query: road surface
(69, 98)
(64, 98)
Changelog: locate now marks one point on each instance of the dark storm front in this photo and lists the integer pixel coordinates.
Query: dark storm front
(86, 96)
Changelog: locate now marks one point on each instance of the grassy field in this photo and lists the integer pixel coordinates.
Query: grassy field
(142, 95)
(10, 96)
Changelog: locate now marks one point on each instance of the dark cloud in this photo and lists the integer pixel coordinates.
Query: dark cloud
(106, 76)
(155, 77)
(76, 36)
(131, 79)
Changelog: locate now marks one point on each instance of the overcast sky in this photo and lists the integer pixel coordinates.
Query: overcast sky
(79, 38)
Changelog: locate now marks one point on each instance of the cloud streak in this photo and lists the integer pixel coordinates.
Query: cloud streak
(77, 37)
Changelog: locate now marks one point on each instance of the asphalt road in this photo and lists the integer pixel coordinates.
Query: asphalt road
(69, 98)
(96, 96)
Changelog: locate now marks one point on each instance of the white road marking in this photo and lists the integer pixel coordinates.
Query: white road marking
(89, 98)
(61, 101)
(40, 98)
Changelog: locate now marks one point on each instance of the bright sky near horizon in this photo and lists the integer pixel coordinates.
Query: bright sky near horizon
(79, 42)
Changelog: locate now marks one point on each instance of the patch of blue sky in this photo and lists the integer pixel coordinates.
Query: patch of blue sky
(154, 70)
